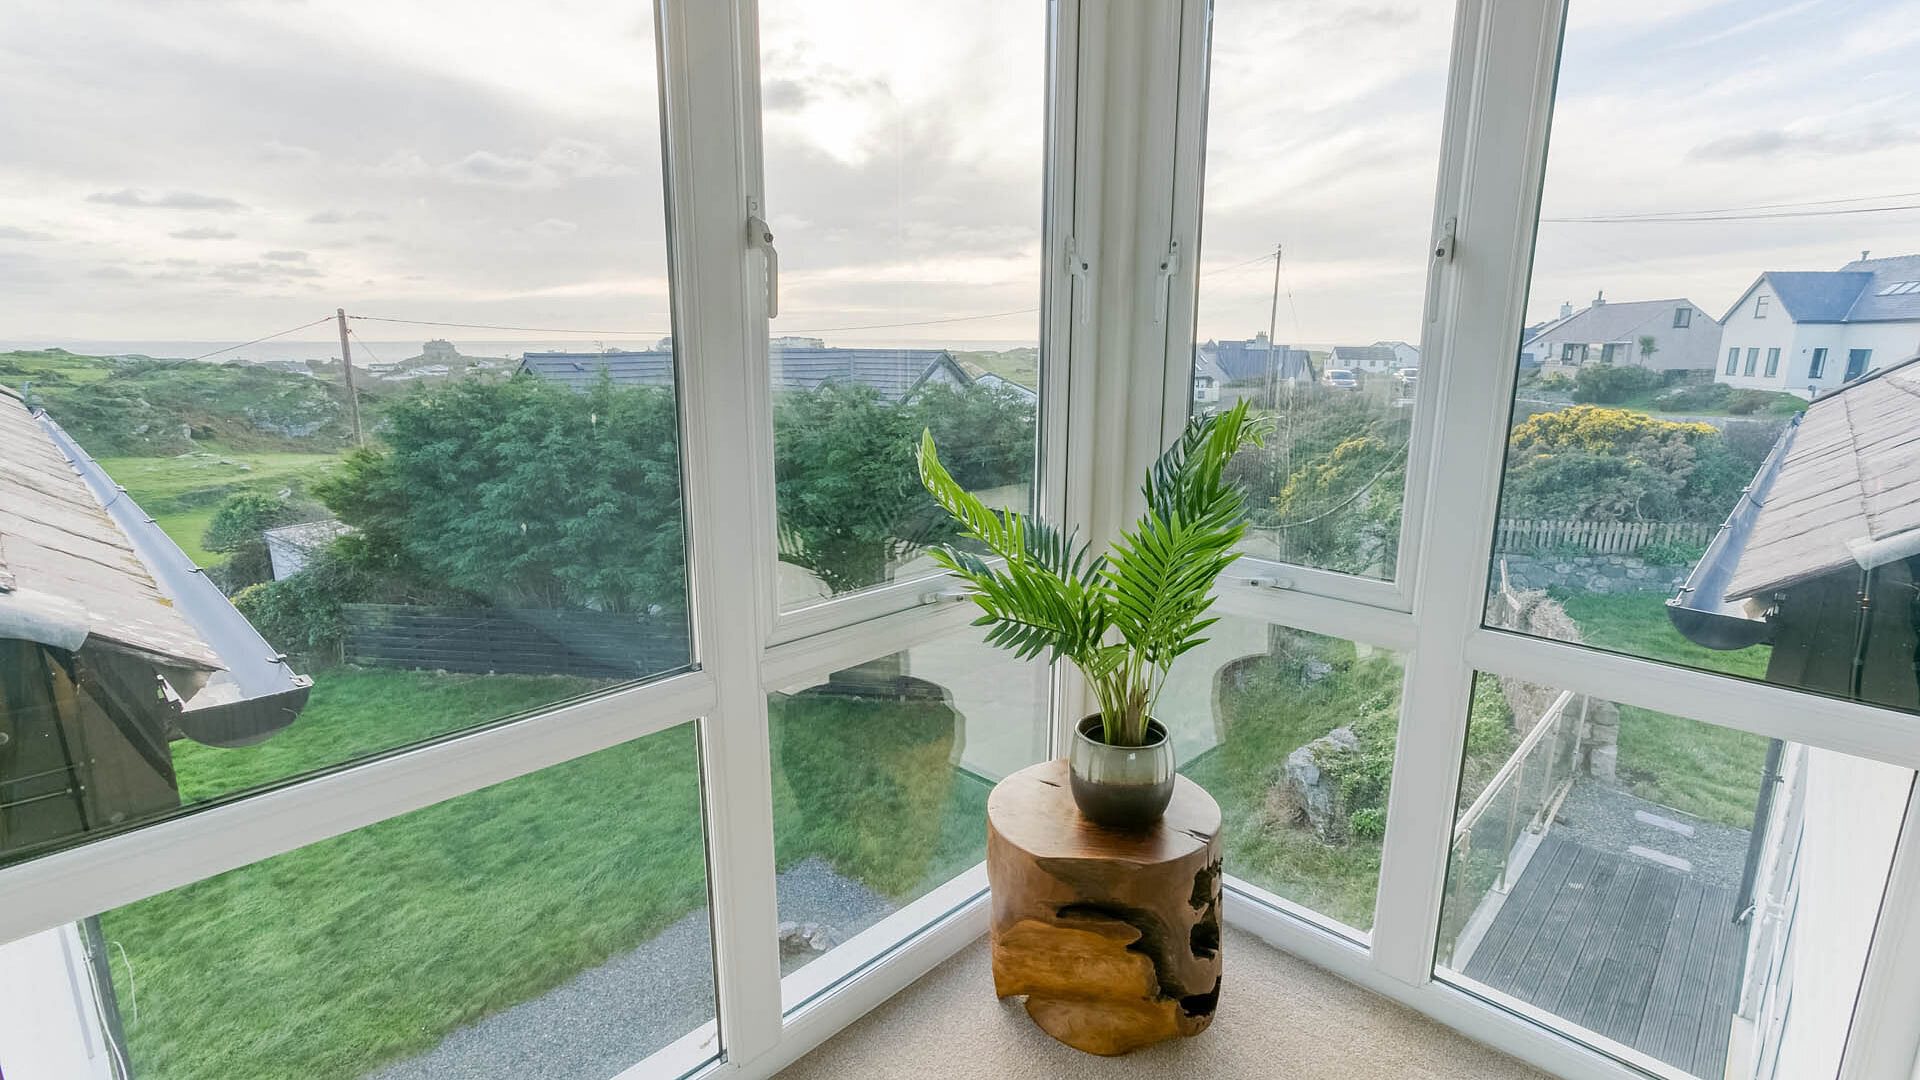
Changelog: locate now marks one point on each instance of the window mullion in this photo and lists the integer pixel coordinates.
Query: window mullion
(1499, 102)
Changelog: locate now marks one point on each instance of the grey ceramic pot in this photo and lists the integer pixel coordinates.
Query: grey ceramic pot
(1123, 787)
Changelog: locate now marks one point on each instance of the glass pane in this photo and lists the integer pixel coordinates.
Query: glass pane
(1293, 734)
(905, 176)
(509, 535)
(1313, 272)
(880, 781)
(1668, 480)
(1667, 890)
(554, 925)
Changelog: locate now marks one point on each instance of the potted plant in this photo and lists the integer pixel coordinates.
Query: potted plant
(1122, 618)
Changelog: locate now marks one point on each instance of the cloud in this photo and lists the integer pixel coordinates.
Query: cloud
(111, 273)
(339, 217)
(553, 227)
(561, 161)
(203, 233)
(14, 232)
(1767, 142)
(172, 200)
(275, 150)
(284, 256)
(253, 273)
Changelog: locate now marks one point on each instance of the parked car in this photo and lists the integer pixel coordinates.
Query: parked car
(1339, 379)
(1408, 377)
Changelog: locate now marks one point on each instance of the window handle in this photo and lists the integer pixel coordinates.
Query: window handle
(1081, 271)
(1163, 282)
(1443, 246)
(760, 236)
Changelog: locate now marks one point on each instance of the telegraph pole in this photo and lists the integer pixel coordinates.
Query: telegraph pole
(1283, 538)
(346, 367)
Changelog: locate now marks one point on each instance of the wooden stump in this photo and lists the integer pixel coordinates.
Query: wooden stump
(1113, 936)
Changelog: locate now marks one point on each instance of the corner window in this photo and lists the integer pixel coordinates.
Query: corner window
(1760, 306)
(1733, 360)
(1819, 366)
(1857, 361)
(1773, 362)
(1682, 318)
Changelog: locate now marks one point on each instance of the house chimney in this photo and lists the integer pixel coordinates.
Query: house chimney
(1566, 309)
(1260, 335)
(1600, 298)
(1864, 253)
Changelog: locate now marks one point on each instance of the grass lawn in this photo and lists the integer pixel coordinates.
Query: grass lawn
(182, 492)
(1709, 771)
(340, 957)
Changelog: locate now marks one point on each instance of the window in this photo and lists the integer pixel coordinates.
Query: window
(903, 170)
(553, 925)
(1293, 733)
(1611, 350)
(1682, 318)
(1571, 353)
(1659, 883)
(506, 544)
(1760, 306)
(1819, 365)
(1900, 288)
(1857, 360)
(1753, 360)
(1285, 281)
(1773, 362)
(881, 774)
(1733, 361)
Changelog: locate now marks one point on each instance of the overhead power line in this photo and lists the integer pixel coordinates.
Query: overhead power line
(269, 337)
(1765, 206)
(1644, 219)
(522, 329)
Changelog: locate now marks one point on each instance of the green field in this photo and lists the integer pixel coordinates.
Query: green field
(182, 492)
(337, 958)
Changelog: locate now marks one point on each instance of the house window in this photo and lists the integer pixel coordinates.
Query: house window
(1567, 352)
(1682, 318)
(1819, 366)
(1610, 351)
(1753, 361)
(1773, 362)
(1760, 306)
(1857, 360)
(1733, 361)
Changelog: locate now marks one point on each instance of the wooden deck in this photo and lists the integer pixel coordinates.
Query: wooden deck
(1639, 953)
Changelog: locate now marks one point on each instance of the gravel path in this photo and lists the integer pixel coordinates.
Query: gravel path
(606, 1018)
(1611, 820)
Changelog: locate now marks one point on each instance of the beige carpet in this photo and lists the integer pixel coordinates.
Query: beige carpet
(1279, 1017)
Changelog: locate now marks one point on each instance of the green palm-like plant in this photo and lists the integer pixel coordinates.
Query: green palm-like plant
(1123, 617)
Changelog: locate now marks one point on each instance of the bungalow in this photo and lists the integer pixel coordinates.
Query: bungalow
(1257, 361)
(895, 373)
(1661, 335)
(1820, 559)
(1803, 332)
(1366, 359)
(1207, 379)
(1404, 355)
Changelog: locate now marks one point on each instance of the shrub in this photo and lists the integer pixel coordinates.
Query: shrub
(1711, 395)
(1609, 383)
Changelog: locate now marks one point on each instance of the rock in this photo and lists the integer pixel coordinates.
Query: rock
(799, 937)
(1312, 671)
(1312, 790)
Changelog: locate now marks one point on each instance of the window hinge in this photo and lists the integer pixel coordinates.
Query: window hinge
(1081, 271)
(1443, 249)
(1163, 285)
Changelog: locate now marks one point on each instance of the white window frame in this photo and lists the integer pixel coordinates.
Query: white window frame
(1123, 183)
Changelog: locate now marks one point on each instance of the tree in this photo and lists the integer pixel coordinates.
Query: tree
(1648, 346)
(236, 531)
(851, 505)
(1592, 463)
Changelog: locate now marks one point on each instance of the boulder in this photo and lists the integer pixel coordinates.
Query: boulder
(809, 937)
(1311, 790)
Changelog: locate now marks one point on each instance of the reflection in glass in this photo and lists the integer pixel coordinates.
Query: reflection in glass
(1293, 734)
(1680, 893)
(1310, 306)
(904, 171)
(881, 775)
(554, 925)
(1712, 424)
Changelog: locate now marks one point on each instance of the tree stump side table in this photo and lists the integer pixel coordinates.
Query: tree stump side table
(1113, 936)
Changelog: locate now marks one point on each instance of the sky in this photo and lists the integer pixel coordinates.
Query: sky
(205, 170)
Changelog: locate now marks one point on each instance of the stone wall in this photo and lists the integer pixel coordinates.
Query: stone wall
(1590, 573)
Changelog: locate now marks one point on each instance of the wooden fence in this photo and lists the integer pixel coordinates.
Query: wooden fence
(1598, 537)
(595, 644)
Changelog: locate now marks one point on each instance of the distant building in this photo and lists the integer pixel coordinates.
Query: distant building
(1207, 378)
(789, 341)
(895, 373)
(1805, 332)
(1002, 383)
(1683, 337)
(439, 349)
(1405, 355)
(1366, 359)
(1257, 361)
(291, 547)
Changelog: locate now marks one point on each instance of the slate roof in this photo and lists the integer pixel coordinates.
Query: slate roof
(68, 574)
(894, 372)
(1850, 294)
(1253, 361)
(1355, 356)
(1615, 320)
(1851, 477)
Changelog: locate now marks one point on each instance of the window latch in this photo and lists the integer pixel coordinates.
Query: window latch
(1163, 283)
(1443, 248)
(760, 237)
(1081, 271)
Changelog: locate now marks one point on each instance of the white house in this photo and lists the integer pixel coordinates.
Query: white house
(1661, 335)
(1404, 355)
(1207, 378)
(1806, 332)
(1368, 359)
